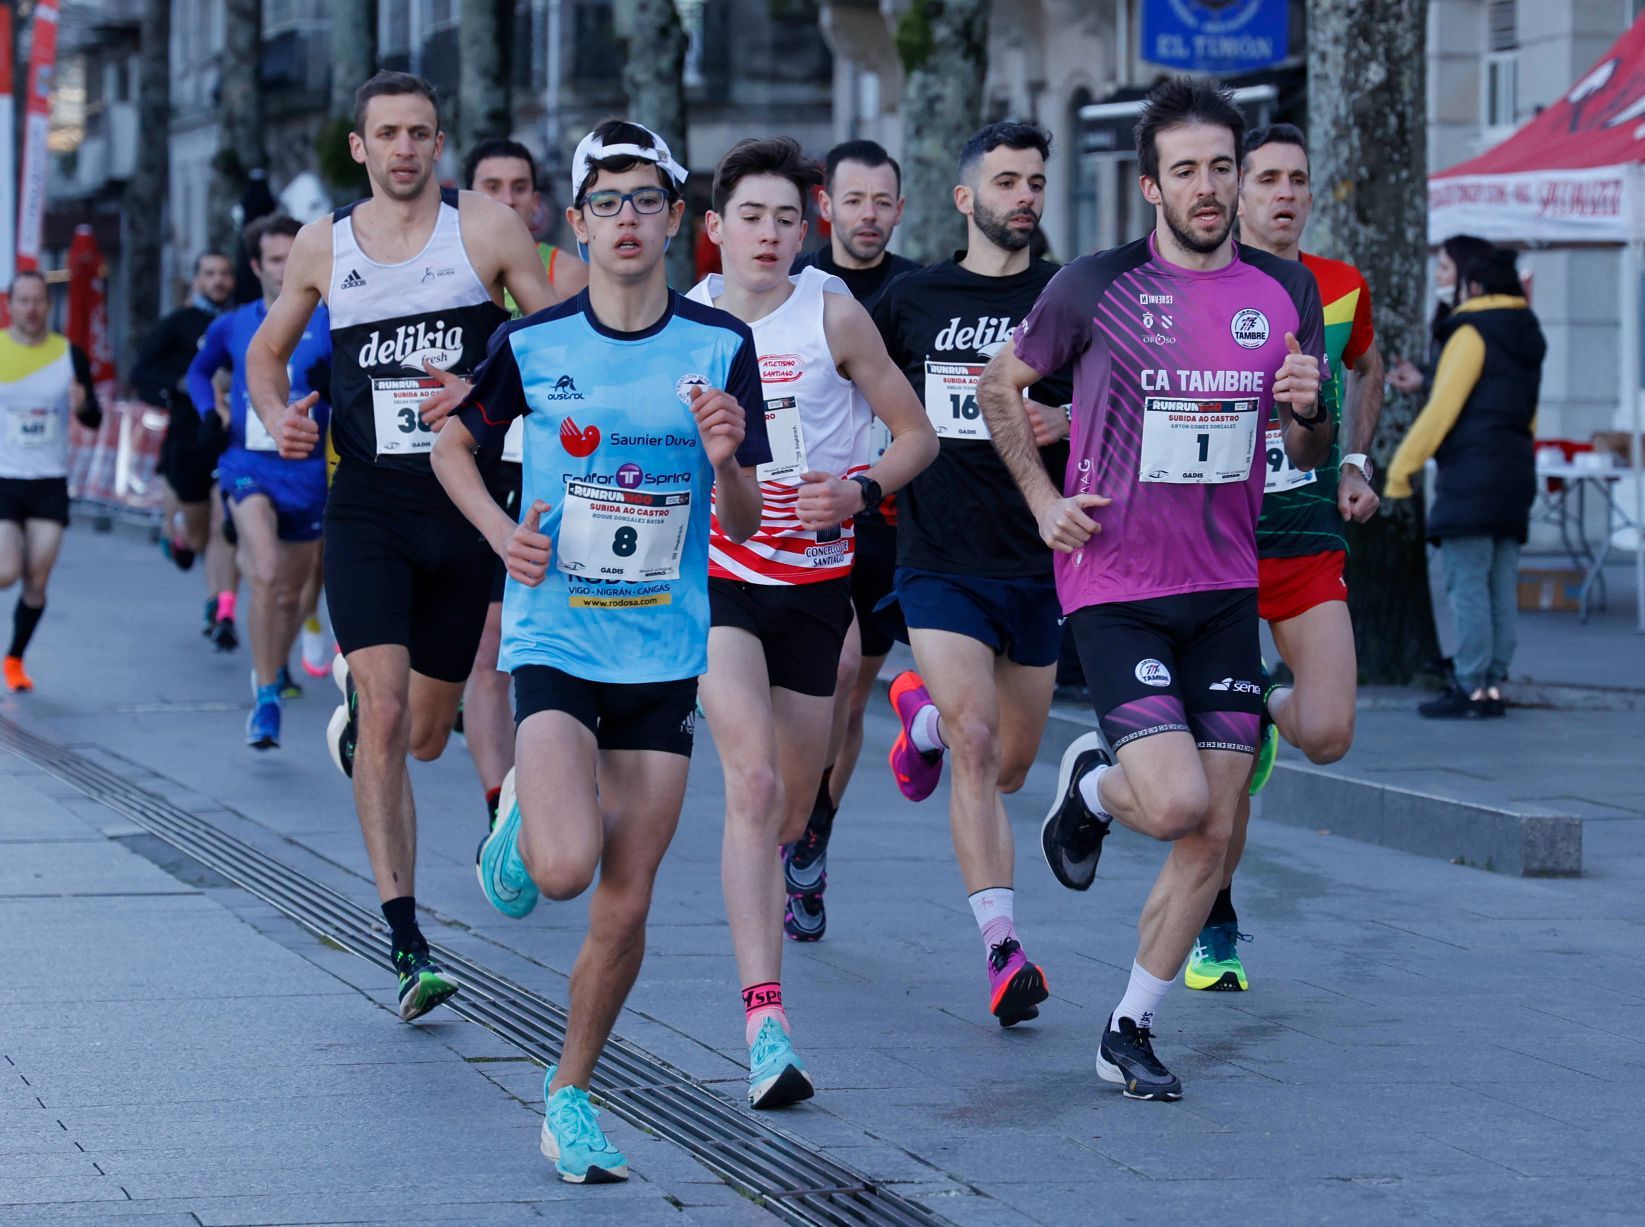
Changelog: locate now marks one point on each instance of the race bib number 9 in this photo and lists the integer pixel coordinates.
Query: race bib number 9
(31, 427)
(951, 400)
(1282, 474)
(782, 428)
(395, 407)
(622, 535)
(1197, 442)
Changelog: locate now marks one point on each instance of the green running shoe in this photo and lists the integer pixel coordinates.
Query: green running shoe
(1214, 964)
(571, 1137)
(1268, 733)
(422, 984)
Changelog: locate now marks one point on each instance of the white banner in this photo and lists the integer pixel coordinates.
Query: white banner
(1595, 205)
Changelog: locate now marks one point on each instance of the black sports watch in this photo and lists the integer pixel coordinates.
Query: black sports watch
(1317, 418)
(871, 492)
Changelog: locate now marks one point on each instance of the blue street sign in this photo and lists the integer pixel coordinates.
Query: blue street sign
(1221, 36)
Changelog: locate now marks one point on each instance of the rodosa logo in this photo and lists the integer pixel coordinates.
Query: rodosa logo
(412, 345)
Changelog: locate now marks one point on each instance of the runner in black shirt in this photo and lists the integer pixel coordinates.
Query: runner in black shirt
(973, 577)
(862, 199)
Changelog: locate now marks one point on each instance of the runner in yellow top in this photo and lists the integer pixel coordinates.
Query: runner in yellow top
(505, 171)
(42, 380)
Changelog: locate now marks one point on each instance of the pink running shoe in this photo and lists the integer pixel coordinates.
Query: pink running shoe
(916, 772)
(1015, 986)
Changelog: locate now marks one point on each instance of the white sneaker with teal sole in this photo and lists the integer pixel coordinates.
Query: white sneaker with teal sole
(503, 877)
(776, 1075)
(574, 1140)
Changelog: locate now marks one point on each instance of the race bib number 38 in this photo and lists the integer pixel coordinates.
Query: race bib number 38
(1197, 442)
(395, 406)
(622, 535)
(951, 400)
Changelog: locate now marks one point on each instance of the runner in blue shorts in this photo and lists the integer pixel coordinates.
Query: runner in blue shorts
(276, 505)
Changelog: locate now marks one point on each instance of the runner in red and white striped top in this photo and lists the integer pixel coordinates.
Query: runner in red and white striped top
(780, 602)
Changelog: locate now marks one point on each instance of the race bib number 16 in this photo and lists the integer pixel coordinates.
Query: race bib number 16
(951, 400)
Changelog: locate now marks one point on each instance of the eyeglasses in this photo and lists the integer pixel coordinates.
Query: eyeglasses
(609, 204)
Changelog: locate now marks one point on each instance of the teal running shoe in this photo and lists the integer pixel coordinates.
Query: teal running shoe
(776, 1075)
(503, 877)
(1214, 963)
(571, 1137)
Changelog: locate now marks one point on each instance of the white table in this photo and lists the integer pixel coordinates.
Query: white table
(1567, 509)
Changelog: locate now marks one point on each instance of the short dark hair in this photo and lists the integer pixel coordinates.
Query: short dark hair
(497, 147)
(1272, 134)
(28, 274)
(210, 253)
(773, 155)
(1494, 272)
(621, 132)
(1184, 100)
(871, 154)
(260, 228)
(385, 84)
(1012, 133)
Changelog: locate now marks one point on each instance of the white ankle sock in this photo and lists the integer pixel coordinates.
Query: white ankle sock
(1142, 997)
(1091, 795)
(925, 730)
(993, 909)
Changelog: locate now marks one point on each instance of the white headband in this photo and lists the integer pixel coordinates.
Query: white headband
(591, 150)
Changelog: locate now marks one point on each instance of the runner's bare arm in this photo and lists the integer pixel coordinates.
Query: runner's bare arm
(503, 252)
(827, 499)
(454, 465)
(1063, 524)
(268, 385)
(1356, 500)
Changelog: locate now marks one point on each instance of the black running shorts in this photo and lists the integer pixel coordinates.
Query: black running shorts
(801, 627)
(404, 567)
(873, 571)
(1188, 663)
(34, 498)
(186, 466)
(640, 716)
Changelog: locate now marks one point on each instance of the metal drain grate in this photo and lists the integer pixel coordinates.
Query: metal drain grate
(786, 1175)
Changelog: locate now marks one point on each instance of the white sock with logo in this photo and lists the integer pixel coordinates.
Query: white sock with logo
(925, 730)
(1091, 794)
(1142, 997)
(993, 909)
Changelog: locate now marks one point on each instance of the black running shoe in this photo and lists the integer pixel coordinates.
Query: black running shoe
(805, 919)
(1071, 835)
(223, 636)
(422, 984)
(1126, 1058)
(1453, 704)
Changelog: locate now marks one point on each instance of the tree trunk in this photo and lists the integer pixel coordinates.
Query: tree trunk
(145, 196)
(1367, 109)
(239, 120)
(654, 84)
(483, 108)
(943, 45)
(353, 52)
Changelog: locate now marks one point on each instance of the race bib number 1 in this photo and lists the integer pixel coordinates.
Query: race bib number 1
(782, 428)
(1282, 474)
(1188, 442)
(622, 535)
(395, 408)
(951, 400)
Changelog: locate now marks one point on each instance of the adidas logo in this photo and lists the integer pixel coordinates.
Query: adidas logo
(353, 281)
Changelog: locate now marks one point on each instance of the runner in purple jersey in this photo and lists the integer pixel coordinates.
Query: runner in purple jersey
(1183, 346)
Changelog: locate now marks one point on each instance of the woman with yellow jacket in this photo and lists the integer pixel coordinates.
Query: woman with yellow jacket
(1479, 425)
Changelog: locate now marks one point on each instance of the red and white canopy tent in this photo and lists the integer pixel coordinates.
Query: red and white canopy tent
(1574, 175)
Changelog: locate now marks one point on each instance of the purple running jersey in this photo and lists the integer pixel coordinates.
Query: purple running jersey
(1173, 387)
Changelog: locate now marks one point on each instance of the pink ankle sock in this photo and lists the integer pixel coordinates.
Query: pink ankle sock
(762, 1001)
(225, 606)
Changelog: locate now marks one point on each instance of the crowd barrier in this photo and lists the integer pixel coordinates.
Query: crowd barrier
(113, 470)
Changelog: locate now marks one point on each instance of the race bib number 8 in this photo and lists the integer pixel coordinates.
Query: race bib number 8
(951, 400)
(782, 428)
(1189, 442)
(622, 535)
(395, 408)
(1282, 474)
(31, 427)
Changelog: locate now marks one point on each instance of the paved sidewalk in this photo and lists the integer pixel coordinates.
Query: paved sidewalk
(1422, 1042)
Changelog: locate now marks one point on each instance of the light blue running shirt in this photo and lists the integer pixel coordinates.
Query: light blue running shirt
(611, 446)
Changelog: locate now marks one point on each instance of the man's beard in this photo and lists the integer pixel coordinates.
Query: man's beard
(865, 254)
(1180, 230)
(996, 227)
